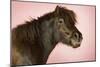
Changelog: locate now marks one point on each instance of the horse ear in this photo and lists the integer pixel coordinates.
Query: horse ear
(57, 9)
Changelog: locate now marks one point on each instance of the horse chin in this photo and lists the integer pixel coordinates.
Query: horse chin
(76, 46)
(71, 43)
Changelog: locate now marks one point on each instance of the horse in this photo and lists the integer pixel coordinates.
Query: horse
(33, 41)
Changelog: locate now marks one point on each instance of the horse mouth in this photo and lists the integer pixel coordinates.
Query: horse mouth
(73, 45)
(76, 46)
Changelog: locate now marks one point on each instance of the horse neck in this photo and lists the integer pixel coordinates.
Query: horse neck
(48, 40)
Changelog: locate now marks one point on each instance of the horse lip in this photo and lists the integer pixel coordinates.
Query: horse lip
(76, 46)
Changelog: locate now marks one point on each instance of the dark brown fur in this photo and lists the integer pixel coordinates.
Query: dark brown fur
(33, 41)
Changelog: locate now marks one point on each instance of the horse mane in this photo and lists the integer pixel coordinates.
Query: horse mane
(69, 14)
(63, 11)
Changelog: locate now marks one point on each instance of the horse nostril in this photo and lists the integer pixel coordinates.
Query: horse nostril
(76, 35)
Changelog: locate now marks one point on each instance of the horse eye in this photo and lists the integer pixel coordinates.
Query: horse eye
(61, 20)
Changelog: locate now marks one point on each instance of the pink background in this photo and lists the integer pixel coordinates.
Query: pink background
(22, 11)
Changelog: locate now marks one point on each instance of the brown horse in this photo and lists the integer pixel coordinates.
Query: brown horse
(33, 41)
